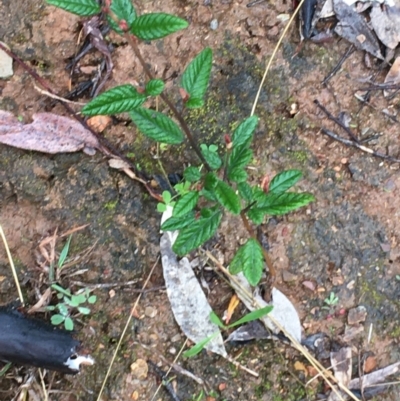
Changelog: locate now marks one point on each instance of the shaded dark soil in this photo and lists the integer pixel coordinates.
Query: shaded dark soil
(346, 242)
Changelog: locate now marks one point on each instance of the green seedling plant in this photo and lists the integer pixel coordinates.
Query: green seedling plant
(330, 303)
(67, 302)
(219, 184)
(257, 314)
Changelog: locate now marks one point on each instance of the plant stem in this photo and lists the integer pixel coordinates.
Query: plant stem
(133, 44)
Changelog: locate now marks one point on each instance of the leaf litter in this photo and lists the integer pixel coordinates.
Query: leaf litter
(47, 133)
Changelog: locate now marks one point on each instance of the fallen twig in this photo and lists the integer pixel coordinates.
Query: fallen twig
(337, 67)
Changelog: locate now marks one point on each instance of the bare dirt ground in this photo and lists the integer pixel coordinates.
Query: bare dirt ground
(346, 242)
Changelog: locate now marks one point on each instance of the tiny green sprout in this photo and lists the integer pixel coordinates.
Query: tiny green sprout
(163, 147)
(332, 300)
(182, 188)
(167, 198)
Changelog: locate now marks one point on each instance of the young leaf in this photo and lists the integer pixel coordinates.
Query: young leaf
(68, 324)
(227, 197)
(177, 223)
(196, 76)
(243, 134)
(156, 25)
(284, 181)
(123, 10)
(239, 158)
(277, 204)
(185, 204)
(216, 320)
(64, 253)
(155, 87)
(157, 126)
(199, 346)
(192, 174)
(257, 314)
(84, 8)
(200, 231)
(84, 310)
(249, 259)
(92, 299)
(117, 100)
(211, 157)
(57, 319)
(245, 191)
(210, 181)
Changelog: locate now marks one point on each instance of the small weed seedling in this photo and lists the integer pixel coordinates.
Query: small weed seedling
(68, 303)
(330, 301)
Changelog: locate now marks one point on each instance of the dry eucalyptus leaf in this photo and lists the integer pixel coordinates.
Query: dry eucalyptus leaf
(386, 24)
(47, 133)
(188, 301)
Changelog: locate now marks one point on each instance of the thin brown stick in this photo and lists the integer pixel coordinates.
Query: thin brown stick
(358, 146)
(337, 67)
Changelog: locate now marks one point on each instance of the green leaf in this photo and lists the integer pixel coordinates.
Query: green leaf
(84, 8)
(211, 157)
(196, 76)
(57, 319)
(84, 310)
(209, 195)
(63, 309)
(284, 181)
(227, 197)
(185, 204)
(192, 174)
(245, 191)
(237, 175)
(199, 346)
(257, 314)
(243, 134)
(249, 259)
(256, 215)
(196, 234)
(124, 10)
(166, 195)
(157, 25)
(161, 207)
(210, 181)
(64, 253)
(92, 299)
(68, 324)
(216, 320)
(117, 100)
(277, 204)
(177, 223)
(157, 126)
(155, 87)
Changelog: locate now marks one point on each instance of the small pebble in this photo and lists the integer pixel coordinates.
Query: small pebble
(288, 277)
(357, 315)
(172, 350)
(214, 24)
(150, 311)
(139, 369)
(176, 338)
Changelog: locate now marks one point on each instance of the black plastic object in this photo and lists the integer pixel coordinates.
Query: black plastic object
(32, 342)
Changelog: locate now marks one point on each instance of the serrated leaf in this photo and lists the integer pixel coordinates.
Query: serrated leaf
(227, 197)
(197, 233)
(209, 195)
(177, 223)
(157, 126)
(243, 134)
(212, 158)
(256, 314)
(117, 100)
(186, 203)
(249, 259)
(245, 191)
(238, 175)
(192, 174)
(124, 10)
(84, 8)
(239, 158)
(284, 181)
(196, 77)
(256, 215)
(210, 181)
(277, 204)
(155, 87)
(157, 25)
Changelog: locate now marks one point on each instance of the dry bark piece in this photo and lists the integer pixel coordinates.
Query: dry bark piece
(32, 342)
(47, 133)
